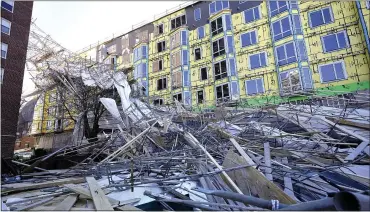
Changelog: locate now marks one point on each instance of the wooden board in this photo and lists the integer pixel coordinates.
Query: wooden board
(29, 186)
(251, 181)
(67, 203)
(101, 202)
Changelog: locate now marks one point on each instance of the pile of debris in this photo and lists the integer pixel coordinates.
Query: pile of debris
(287, 157)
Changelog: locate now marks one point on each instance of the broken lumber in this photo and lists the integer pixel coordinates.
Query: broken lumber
(251, 179)
(191, 139)
(67, 203)
(100, 200)
(24, 187)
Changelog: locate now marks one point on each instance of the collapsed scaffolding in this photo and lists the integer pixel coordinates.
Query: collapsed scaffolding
(302, 156)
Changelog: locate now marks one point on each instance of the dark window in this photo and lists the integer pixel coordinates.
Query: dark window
(178, 97)
(200, 97)
(160, 65)
(27, 145)
(203, 73)
(161, 46)
(160, 29)
(177, 22)
(220, 70)
(158, 102)
(198, 54)
(218, 47)
(216, 26)
(222, 92)
(162, 84)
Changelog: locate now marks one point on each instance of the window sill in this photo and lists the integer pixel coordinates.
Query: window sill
(253, 69)
(313, 27)
(254, 95)
(337, 80)
(242, 47)
(325, 52)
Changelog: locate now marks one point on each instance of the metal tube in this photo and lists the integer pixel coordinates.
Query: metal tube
(345, 201)
(197, 204)
(321, 204)
(250, 200)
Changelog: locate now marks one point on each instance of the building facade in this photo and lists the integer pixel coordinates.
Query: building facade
(15, 28)
(248, 52)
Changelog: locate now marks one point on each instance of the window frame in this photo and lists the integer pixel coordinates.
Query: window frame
(333, 63)
(218, 30)
(49, 123)
(1, 75)
(200, 14)
(204, 32)
(164, 45)
(278, 8)
(322, 15)
(250, 38)
(161, 24)
(10, 25)
(259, 13)
(6, 51)
(221, 73)
(202, 90)
(176, 55)
(164, 88)
(336, 36)
(173, 37)
(291, 87)
(177, 94)
(200, 73)
(218, 47)
(200, 53)
(159, 101)
(222, 98)
(259, 53)
(258, 92)
(173, 79)
(181, 24)
(160, 61)
(214, 2)
(281, 28)
(285, 51)
(10, 3)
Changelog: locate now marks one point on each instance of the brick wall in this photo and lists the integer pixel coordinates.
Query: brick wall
(14, 64)
(22, 143)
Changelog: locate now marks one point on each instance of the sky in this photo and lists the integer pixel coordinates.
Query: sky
(77, 24)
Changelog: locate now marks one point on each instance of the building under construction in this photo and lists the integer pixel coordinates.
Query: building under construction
(225, 105)
(246, 53)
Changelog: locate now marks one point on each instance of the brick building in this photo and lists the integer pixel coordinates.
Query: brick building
(15, 28)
